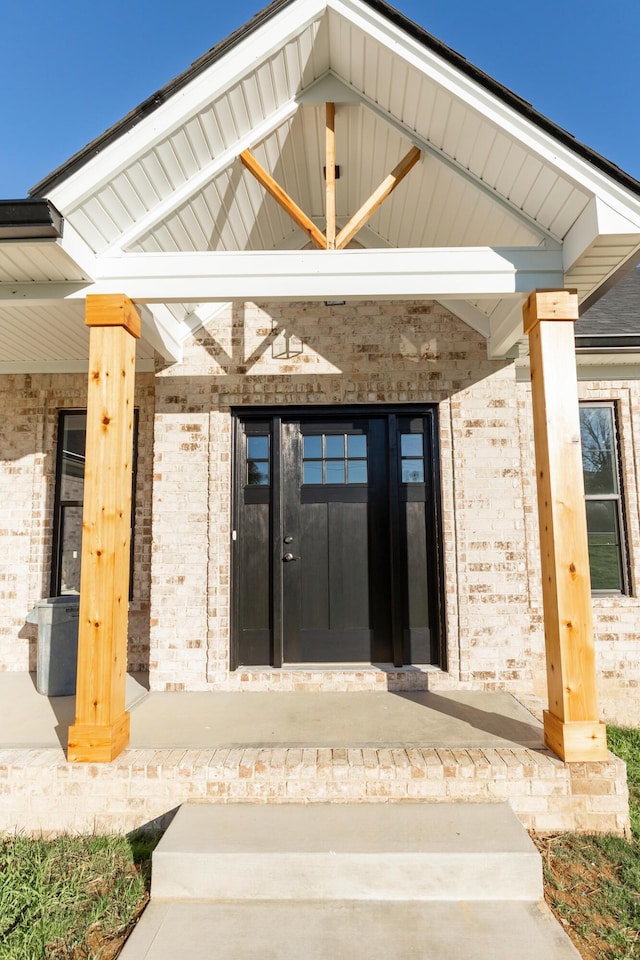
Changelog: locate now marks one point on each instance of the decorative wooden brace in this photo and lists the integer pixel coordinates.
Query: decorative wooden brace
(571, 725)
(101, 728)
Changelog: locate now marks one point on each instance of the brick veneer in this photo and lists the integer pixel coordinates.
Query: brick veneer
(359, 353)
(28, 439)
(40, 792)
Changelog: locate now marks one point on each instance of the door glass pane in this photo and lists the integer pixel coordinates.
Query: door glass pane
(258, 448)
(334, 471)
(356, 446)
(71, 537)
(334, 446)
(312, 448)
(312, 471)
(598, 453)
(257, 473)
(412, 471)
(357, 471)
(411, 445)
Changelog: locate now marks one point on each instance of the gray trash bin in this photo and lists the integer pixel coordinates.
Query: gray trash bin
(57, 619)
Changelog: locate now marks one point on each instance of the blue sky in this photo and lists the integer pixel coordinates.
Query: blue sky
(71, 68)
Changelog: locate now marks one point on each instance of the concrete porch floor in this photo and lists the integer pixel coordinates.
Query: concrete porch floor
(289, 719)
(357, 747)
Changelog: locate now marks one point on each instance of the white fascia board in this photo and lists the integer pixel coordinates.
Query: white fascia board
(469, 314)
(77, 249)
(459, 273)
(200, 179)
(598, 219)
(488, 105)
(246, 56)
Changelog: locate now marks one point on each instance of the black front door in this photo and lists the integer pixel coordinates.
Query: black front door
(336, 538)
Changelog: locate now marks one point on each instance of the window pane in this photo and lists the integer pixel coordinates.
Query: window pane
(604, 560)
(604, 545)
(312, 448)
(71, 540)
(412, 471)
(357, 471)
(312, 471)
(598, 452)
(257, 473)
(602, 517)
(258, 448)
(334, 471)
(411, 445)
(334, 446)
(73, 443)
(356, 446)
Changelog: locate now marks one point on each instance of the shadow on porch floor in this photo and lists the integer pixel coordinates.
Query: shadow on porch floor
(296, 719)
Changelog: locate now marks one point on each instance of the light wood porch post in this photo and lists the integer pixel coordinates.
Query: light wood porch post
(101, 728)
(571, 725)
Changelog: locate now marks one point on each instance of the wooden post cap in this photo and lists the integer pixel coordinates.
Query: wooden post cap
(112, 310)
(549, 305)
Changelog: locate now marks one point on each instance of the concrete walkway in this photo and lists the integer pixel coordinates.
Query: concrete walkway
(349, 881)
(214, 720)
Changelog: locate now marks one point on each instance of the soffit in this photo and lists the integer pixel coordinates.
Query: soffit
(51, 335)
(25, 261)
(471, 170)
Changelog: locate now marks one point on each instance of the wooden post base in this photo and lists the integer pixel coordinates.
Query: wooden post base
(93, 743)
(576, 741)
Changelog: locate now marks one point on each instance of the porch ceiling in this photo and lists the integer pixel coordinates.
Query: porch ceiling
(490, 175)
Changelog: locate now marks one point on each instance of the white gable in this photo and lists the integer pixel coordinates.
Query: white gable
(497, 205)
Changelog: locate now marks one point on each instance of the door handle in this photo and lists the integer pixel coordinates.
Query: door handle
(288, 557)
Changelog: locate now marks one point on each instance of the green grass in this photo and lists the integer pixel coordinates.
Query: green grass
(72, 897)
(593, 882)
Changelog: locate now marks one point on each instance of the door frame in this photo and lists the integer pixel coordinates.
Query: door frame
(435, 581)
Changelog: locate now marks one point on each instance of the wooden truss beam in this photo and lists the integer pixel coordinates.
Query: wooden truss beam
(101, 728)
(330, 175)
(378, 197)
(282, 197)
(571, 725)
(329, 240)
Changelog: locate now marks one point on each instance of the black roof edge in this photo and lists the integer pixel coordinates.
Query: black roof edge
(30, 219)
(607, 343)
(394, 16)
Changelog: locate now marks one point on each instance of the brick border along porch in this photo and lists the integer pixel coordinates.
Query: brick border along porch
(41, 792)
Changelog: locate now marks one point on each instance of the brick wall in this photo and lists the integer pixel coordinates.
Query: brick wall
(28, 439)
(616, 619)
(297, 353)
(357, 353)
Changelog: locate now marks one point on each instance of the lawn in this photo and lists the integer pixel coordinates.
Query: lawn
(593, 883)
(72, 898)
(77, 898)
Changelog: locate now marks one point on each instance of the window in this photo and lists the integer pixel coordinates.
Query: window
(603, 493)
(257, 461)
(67, 526)
(412, 457)
(334, 458)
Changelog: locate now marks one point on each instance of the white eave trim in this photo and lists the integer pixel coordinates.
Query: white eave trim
(454, 272)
